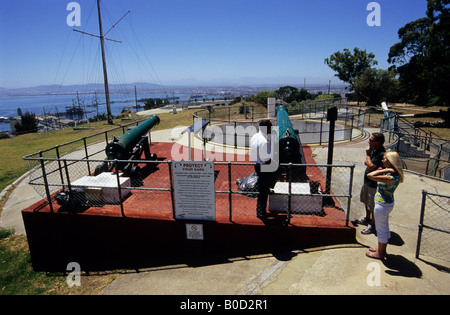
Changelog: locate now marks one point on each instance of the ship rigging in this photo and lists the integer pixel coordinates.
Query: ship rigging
(102, 45)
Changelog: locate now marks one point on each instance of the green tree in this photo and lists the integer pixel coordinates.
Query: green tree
(236, 100)
(304, 95)
(262, 96)
(349, 66)
(422, 57)
(28, 123)
(409, 59)
(150, 104)
(286, 93)
(292, 94)
(377, 85)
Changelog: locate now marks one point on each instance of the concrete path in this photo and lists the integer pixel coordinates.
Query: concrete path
(342, 269)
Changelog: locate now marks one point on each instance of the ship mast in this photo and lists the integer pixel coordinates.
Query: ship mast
(102, 44)
(105, 72)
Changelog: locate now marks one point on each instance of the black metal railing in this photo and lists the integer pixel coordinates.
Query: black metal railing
(64, 175)
(434, 227)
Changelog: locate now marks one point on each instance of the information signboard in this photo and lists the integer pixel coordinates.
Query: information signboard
(194, 193)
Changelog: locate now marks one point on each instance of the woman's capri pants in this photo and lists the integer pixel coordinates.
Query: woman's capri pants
(381, 214)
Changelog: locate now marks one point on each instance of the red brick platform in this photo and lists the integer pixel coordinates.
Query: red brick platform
(145, 233)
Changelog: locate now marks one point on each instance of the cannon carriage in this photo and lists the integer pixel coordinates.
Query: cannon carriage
(294, 193)
(107, 186)
(129, 146)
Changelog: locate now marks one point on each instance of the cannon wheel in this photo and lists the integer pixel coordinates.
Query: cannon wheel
(98, 170)
(101, 168)
(136, 176)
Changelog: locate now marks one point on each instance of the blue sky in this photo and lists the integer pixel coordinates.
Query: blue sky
(193, 41)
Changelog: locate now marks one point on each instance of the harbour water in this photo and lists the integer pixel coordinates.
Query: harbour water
(52, 104)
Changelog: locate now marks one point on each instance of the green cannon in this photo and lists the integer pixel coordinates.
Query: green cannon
(290, 146)
(129, 146)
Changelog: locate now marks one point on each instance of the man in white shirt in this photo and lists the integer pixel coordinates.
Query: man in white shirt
(260, 143)
(260, 152)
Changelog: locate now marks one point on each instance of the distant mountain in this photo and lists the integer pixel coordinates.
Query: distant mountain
(80, 88)
(253, 81)
(143, 87)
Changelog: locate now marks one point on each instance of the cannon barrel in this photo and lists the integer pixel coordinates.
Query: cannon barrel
(290, 147)
(121, 148)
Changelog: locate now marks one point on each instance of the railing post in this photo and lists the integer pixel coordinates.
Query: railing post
(69, 186)
(351, 129)
(59, 165)
(321, 128)
(422, 213)
(230, 215)
(87, 156)
(350, 185)
(171, 189)
(119, 190)
(289, 193)
(44, 175)
(235, 135)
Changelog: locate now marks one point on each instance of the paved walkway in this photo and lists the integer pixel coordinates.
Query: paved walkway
(342, 269)
(338, 269)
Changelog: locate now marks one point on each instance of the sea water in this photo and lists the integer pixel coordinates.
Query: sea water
(52, 104)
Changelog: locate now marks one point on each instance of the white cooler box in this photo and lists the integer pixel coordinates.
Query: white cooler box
(103, 188)
(300, 204)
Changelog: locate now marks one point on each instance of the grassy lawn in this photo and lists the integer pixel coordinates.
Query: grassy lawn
(18, 278)
(13, 149)
(13, 166)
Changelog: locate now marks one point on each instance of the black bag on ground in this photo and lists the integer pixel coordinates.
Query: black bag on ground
(74, 199)
(249, 185)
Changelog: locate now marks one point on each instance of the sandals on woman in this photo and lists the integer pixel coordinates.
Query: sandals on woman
(372, 253)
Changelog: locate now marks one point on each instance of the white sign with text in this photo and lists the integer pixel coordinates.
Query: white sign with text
(194, 194)
(194, 231)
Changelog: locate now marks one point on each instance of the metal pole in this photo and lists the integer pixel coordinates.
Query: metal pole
(105, 73)
(44, 175)
(350, 185)
(190, 157)
(289, 193)
(119, 190)
(351, 129)
(171, 189)
(422, 213)
(59, 165)
(229, 193)
(87, 156)
(235, 135)
(321, 128)
(331, 117)
(66, 169)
